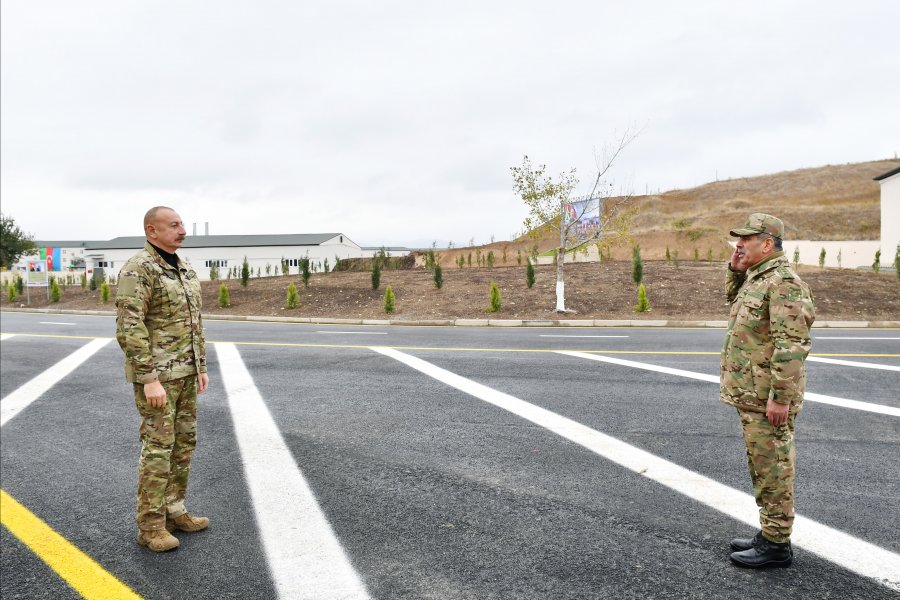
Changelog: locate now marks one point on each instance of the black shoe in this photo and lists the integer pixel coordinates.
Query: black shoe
(764, 554)
(738, 544)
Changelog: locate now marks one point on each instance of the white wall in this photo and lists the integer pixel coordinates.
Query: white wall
(257, 256)
(853, 253)
(890, 218)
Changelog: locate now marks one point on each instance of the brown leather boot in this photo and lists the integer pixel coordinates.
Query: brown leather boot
(188, 523)
(158, 540)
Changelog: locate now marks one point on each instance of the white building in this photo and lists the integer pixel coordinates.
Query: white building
(890, 214)
(204, 251)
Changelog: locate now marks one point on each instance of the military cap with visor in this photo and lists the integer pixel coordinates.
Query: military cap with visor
(760, 223)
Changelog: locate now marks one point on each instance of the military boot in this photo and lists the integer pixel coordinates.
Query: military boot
(158, 540)
(188, 523)
(764, 554)
(738, 544)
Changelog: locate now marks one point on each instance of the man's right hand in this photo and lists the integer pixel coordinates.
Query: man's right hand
(155, 394)
(736, 258)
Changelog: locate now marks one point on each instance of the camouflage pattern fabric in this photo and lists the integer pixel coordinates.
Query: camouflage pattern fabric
(768, 337)
(771, 457)
(168, 439)
(158, 322)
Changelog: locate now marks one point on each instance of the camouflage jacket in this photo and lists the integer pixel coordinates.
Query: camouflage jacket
(158, 323)
(768, 336)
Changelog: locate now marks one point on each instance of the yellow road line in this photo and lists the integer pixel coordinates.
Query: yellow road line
(454, 349)
(77, 568)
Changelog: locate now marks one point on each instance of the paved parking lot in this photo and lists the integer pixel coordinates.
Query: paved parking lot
(400, 462)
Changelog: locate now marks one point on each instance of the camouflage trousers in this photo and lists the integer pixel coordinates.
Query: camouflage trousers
(771, 458)
(168, 439)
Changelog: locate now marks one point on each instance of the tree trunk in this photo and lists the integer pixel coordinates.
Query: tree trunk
(560, 260)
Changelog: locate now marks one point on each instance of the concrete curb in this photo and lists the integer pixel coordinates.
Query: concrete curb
(478, 322)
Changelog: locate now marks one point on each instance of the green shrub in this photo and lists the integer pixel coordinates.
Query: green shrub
(643, 304)
(876, 266)
(668, 255)
(376, 274)
(460, 261)
(389, 300)
(245, 273)
(796, 256)
(696, 254)
(822, 258)
(709, 255)
(897, 261)
(519, 257)
(224, 298)
(529, 273)
(470, 260)
(11, 294)
(54, 290)
(304, 271)
(504, 255)
(92, 284)
(496, 300)
(438, 277)
(84, 282)
(213, 273)
(293, 298)
(637, 265)
(104, 292)
(490, 259)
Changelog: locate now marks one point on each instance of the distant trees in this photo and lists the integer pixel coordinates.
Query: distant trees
(13, 242)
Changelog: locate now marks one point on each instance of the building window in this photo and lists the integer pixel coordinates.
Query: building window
(216, 262)
(293, 262)
(105, 264)
(342, 239)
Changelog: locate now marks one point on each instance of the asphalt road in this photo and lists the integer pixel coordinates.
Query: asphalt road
(430, 491)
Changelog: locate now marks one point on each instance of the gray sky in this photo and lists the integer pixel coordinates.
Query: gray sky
(396, 122)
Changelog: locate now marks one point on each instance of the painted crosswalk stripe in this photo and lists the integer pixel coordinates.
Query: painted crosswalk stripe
(853, 363)
(821, 398)
(6, 336)
(835, 546)
(582, 336)
(304, 555)
(78, 569)
(19, 399)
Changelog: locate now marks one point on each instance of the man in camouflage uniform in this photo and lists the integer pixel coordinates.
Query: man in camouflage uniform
(764, 376)
(159, 328)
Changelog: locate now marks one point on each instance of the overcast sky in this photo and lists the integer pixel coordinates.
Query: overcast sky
(397, 122)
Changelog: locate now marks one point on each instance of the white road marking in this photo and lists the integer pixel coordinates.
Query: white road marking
(19, 399)
(356, 332)
(304, 555)
(853, 363)
(835, 546)
(855, 338)
(6, 336)
(54, 323)
(821, 398)
(584, 336)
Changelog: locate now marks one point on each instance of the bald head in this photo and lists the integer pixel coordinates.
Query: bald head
(164, 228)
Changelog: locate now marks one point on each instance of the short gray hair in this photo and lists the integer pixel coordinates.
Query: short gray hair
(148, 216)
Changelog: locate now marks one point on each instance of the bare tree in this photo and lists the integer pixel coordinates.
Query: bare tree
(550, 206)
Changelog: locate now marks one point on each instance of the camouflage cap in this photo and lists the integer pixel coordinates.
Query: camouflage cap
(761, 223)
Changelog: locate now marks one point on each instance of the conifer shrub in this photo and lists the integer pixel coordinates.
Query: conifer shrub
(104, 292)
(529, 273)
(245, 273)
(490, 259)
(376, 274)
(224, 298)
(496, 300)
(643, 304)
(92, 284)
(389, 300)
(293, 298)
(305, 272)
(213, 273)
(54, 290)
(438, 277)
(11, 294)
(84, 282)
(796, 256)
(876, 266)
(822, 258)
(637, 265)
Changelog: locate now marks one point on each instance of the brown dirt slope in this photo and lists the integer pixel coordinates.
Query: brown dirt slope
(690, 291)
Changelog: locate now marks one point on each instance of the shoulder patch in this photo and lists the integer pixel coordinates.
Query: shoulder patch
(785, 273)
(127, 285)
(794, 294)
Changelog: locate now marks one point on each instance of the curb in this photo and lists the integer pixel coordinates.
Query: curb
(478, 322)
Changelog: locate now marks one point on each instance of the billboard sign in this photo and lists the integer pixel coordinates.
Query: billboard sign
(585, 211)
(38, 274)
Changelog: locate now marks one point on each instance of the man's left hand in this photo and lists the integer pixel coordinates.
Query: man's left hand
(203, 380)
(777, 413)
